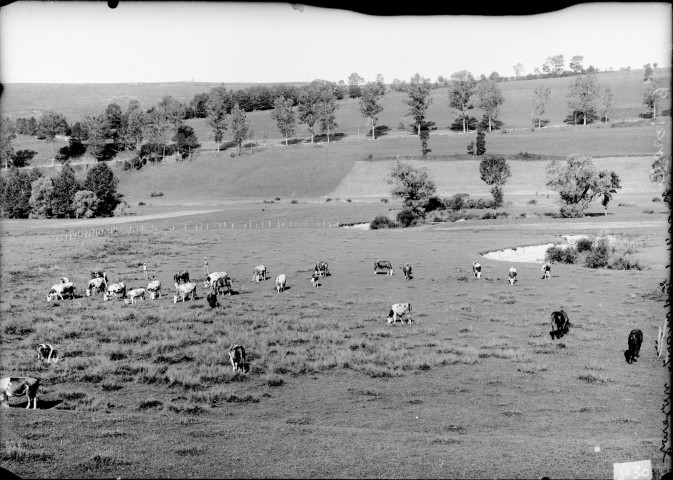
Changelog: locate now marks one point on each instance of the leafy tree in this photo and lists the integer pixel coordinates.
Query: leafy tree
(495, 77)
(17, 189)
(481, 142)
(308, 108)
(50, 125)
(79, 132)
(98, 128)
(648, 72)
(326, 108)
(495, 171)
(85, 204)
(199, 105)
(462, 88)
(425, 135)
(239, 126)
(419, 100)
(557, 64)
(102, 182)
(354, 81)
(412, 185)
(22, 157)
(133, 126)
(217, 105)
(661, 174)
(370, 106)
(606, 103)
(42, 191)
(576, 64)
(518, 69)
(284, 116)
(540, 99)
(186, 141)
(7, 136)
(65, 187)
(583, 91)
(158, 128)
(610, 183)
(490, 98)
(578, 183)
(113, 115)
(380, 84)
(652, 97)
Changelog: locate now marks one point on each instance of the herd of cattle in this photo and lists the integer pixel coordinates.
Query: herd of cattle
(219, 283)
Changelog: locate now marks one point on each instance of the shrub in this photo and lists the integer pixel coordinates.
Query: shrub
(384, 200)
(624, 262)
(348, 200)
(656, 199)
(141, 204)
(489, 216)
(584, 245)
(479, 203)
(434, 203)
(527, 156)
(157, 194)
(382, 221)
(648, 211)
(532, 201)
(328, 199)
(277, 199)
(408, 218)
(293, 201)
(599, 255)
(571, 211)
(502, 215)
(458, 201)
(561, 255)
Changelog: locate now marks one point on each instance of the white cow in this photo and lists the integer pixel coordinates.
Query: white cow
(131, 295)
(95, 285)
(259, 273)
(18, 386)
(61, 289)
(116, 290)
(184, 290)
(154, 287)
(476, 269)
(280, 283)
(546, 271)
(512, 276)
(397, 311)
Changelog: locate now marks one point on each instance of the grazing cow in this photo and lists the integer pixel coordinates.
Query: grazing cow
(635, 341)
(183, 291)
(211, 298)
(259, 273)
(95, 286)
(322, 269)
(280, 283)
(512, 276)
(397, 311)
(406, 270)
(65, 280)
(383, 265)
(181, 277)
(211, 278)
(18, 386)
(222, 285)
(46, 353)
(237, 357)
(546, 271)
(131, 295)
(61, 289)
(476, 269)
(100, 274)
(116, 290)
(154, 287)
(315, 278)
(560, 324)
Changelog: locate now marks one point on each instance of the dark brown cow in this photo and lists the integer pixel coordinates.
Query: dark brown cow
(635, 341)
(560, 324)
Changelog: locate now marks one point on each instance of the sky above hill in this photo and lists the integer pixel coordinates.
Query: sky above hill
(87, 42)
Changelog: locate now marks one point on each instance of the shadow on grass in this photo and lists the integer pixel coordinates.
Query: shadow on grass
(41, 404)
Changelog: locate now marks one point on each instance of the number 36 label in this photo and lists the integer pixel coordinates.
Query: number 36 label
(641, 470)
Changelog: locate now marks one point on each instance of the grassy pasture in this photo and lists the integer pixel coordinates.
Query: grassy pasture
(333, 391)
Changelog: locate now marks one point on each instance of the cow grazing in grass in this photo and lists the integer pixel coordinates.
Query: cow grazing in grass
(116, 290)
(131, 295)
(383, 265)
(322, 268)
(154, 288)
(18, 386)
(211, 298)
(560, 324)
(259, 273)
(183, 291)
(512, 276)
(237, 357)
(398, 311)
(222, 285)
(61, 290)
(280, 283)
(181, 277)
(211, 278)
(476, 269)
(546, 271)
(100, 274)
(635, 341)
(315, 278)
(95, 286)
(406, 270)
(46, 353)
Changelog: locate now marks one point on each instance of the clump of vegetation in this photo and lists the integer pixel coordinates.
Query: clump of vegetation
(277, 199)
(656, 199)
(527, 156)
(561, 255)
(141, 204)
(408, 218)
(595, 254)
(293, 201)
(157, 194)
(328, 200)
(384, 200)
(599, 255)
(532, 201)
(382, 221)
(584, 245)
(648, 211)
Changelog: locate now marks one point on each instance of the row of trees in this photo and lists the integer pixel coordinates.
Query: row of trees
(28, 193)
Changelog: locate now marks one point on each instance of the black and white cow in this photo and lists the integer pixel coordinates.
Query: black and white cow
(512, 276)
(181, 277)
(211, 298)
(61, 290)
(476, 269)
(154, 288)
(259, 273)
(406, 270)
(222, 285)
(131, 295)
(546, 271)
(46, 354)
(560, 324)
(280, 283)
(397, 312)
(211, 278)
(322, 268)
(95, 286)
(116, 290)
(635, 341)
(183, 291)
(237, 357)
(18, 386)
(383, 265)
